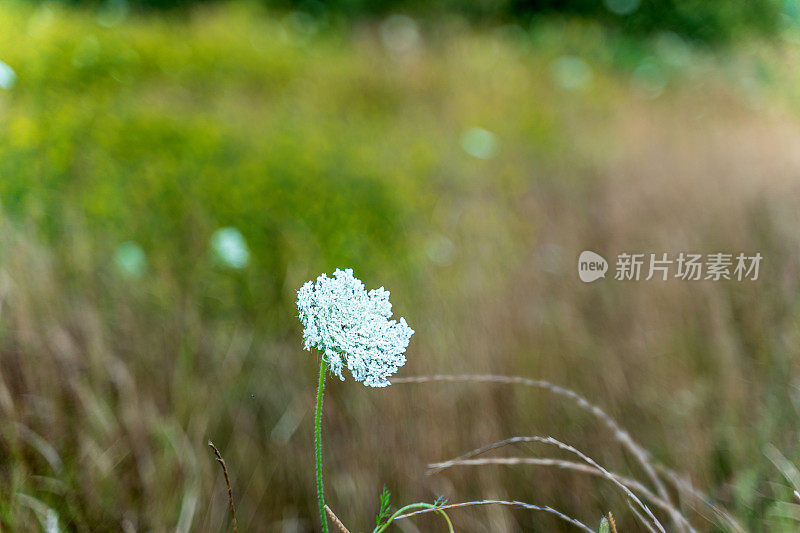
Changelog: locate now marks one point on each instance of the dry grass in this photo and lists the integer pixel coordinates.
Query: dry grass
(663, 500)
(336, 521)
(221, 461)
(520, 505)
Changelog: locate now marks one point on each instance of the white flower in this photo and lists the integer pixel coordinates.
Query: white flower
(351, 327)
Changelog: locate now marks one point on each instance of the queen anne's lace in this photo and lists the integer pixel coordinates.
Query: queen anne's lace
(351, 327)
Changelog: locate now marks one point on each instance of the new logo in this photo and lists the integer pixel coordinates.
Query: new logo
(591, 266)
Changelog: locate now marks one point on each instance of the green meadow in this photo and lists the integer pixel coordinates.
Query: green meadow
(168, 181)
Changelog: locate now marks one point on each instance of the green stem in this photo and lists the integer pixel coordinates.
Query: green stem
(318, 445)
(382, 527)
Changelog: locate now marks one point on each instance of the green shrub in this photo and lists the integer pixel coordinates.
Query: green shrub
(697, 19)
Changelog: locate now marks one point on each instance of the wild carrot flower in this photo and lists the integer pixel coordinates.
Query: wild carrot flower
(352, 327)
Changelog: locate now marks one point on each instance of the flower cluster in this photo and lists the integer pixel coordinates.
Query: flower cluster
(352, 327)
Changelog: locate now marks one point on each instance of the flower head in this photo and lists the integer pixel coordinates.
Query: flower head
(352, 327)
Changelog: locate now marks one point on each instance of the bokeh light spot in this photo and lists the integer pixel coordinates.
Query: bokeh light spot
(440, 249)
(112, 13)
(622, 7)
(131, 259)
(479, 143)
(230, 247)
(400, 33)
(571, 73)
(7, 76)
(650, 77)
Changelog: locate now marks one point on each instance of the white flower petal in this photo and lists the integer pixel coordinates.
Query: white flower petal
(352, 327)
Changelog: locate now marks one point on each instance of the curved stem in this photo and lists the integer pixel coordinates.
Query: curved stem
(408, 507)
(318, 445)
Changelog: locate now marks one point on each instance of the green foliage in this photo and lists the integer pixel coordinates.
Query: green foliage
(385, 507)
(697, 19)
(157, 136)
(140, 138)
(604, 526)
(385, 518)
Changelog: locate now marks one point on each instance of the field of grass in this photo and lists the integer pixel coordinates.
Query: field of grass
(465, 170)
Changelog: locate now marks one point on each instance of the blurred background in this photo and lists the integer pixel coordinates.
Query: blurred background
(171, 173)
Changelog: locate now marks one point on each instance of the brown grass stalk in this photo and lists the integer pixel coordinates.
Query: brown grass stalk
(622, 436)
(631, 483)
(529, 506)
(221, 461)
(642, 456)
(605, 473)
(685, 487)
(335, 520)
